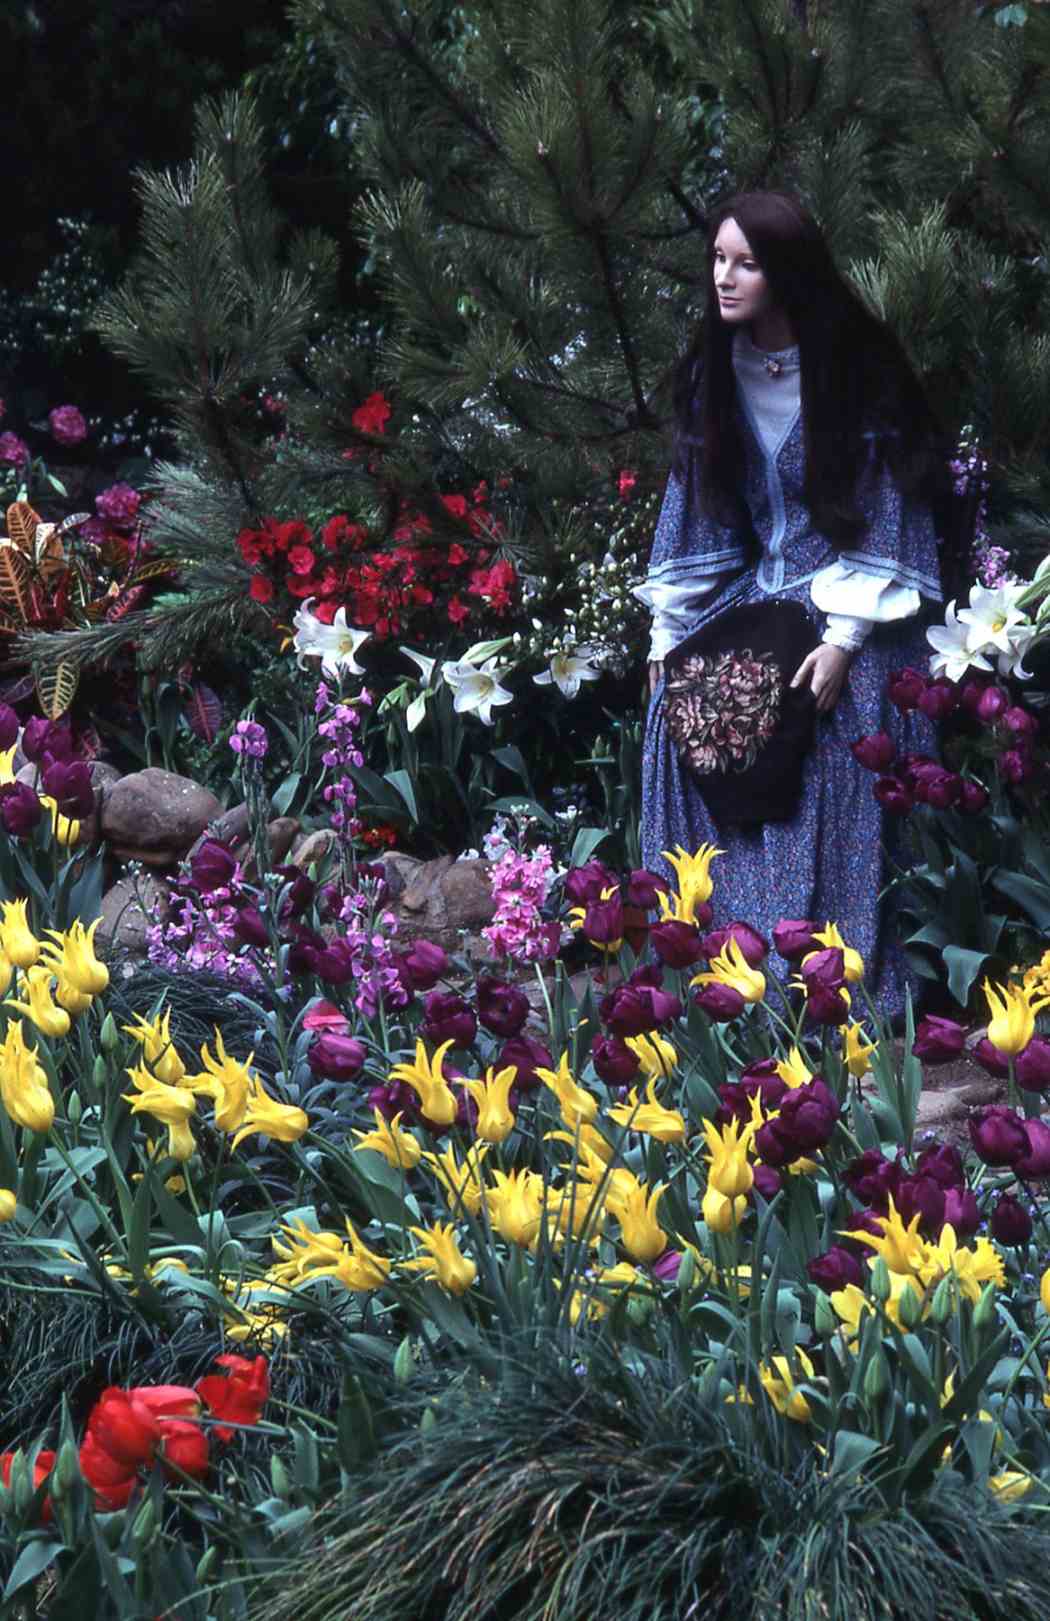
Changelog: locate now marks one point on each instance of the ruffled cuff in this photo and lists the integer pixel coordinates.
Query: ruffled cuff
(673, 609)
(842, 590)
(847, 632)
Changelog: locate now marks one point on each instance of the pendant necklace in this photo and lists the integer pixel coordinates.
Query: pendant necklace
(773, 366)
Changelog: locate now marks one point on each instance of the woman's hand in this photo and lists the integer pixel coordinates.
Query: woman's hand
(824, 672)
(655, 673)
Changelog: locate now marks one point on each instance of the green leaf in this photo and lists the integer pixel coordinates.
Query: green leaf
(31, 1563)
(1030, 894)
(852, 1451)
(402, 782)
(963, 968)
(585, 843)
(285, 794)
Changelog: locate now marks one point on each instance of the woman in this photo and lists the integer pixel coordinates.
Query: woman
(804, 469)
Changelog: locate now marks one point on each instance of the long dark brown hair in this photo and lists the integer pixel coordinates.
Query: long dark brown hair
(855, 378)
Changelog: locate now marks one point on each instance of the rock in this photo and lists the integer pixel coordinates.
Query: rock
(314, 847)
(400, 870)
(282, 833)
(232, 826)
(444, 898)
(125, 920)
(154, 816)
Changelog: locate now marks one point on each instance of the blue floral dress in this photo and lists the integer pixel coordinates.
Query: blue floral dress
(829, 861)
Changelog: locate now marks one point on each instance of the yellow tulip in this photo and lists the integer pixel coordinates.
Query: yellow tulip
(495, 1120)
(39, 1007)
(729, 1172)
(852, 961)
(793, 1070)
(721, 1212)
(426, 1078)
(444, 1261)
(650, 1118)
(154, 1037)
(640, 1233)
(8, 1204)
(17, 941)
(778, 1382)
(304, 1251)
(515, 1206)
(857, 1051)
(1010, 1484)
(693, 875)
(71, 958)
(655, 1053)
(228, 1082)
(65, 829)
(731, 968)
(284, 1122)
(900, 1246)
(24, 1089)
(173, 1106)
(1013, 1009)
(971, 1268)
(1044, 1290)
(578, 1106)
(399, 1148)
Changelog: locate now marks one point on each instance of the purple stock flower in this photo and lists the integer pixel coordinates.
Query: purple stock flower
(249, 738)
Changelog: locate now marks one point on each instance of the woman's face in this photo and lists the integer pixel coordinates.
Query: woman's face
(743, 291)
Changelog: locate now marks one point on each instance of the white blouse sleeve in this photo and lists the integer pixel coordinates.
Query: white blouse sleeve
(673, 608)
(854, 601)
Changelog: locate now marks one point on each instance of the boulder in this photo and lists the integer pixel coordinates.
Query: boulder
(154, 816)
(444, 899)
(129, 907)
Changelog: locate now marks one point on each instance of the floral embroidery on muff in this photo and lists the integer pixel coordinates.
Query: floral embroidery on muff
(721, 709)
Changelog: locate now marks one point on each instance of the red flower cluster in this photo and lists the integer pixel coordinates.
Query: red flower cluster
(382, 587)
(128, 1429)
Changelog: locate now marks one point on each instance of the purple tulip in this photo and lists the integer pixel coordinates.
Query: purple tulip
(394, 1098)
(993, 702)
(643, 887)
(939, 700)
(905, 687)
(961, 1211)
(970, 694)
(304, 947)
(585, 884)
(808, 1115)
(9, 727)
(974, 797)
(213, 866)
(944, 1163)
(991, 1059)
(20, 809)
(773, 1148)
(793, 937)
(502, 1008)
(676, 944)
(826, 1006)
(249, 926)
(894, 796)
(634, 1010)
(1035, 1163)
(768, 1182)
(68, 782)
(937, 1040)
(526, 1055)
(835, 1269)
(1015, 765)
(944, 791)
(298, 888)
(1032, 1065)
(1019, 722)
(1010, 1222)
(336, 1057)
(448, 1018)
(336, 964)
(875, 752)
(422, 965)
(911, 768)
(923, 1197)
(614, 1062)
(603, 923)
(667, 1266)
(753, 948)
(40, 737)
(720, 1002)
(873, 1178)
(998, 1135)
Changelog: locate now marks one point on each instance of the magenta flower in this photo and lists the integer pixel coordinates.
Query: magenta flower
(998, 1135)
(249, 738)
(633, 1010)
(937, 1040)
(67, 425)
(1032, 1065)
(793, 937)
(754, 949)
(893, 795)
(585, 884)
(20, 809)
(1016, 765)
(719, 1002)
(873, 1178)
(335, 1056)
(961, 1211)
(923, 1197)
(41, 736)
(448, 1018)
(526, 1055)
(119, 505)
(993, 702)
(1019, 722)
(212, 866)
(677, 944)
(836, 1269)
(502, 1008)
(614, 1062)
(1010, 1222)
(422, 965)
(643, 887)
(944, 1163)
(9, 727)
(939, 700)
(13, 451)
(973, 798)
(876, 752)
(905, 687)
(1035, 1162)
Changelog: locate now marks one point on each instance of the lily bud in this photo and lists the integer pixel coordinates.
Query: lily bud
(881, 1283)
(877, 1376)
(943, 1303)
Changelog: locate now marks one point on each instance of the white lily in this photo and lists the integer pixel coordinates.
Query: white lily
(953, 655)
(566, 671)
(336, 645)
(476, 690)
(426, 665)
(992, 616)
(1012, 661)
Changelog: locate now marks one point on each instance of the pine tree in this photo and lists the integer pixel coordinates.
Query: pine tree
(538, 185)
